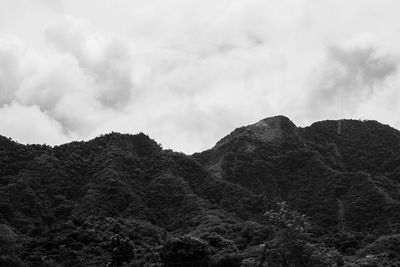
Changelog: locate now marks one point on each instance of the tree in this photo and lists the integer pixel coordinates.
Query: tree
(224, 252)
(186, 251)
(227, 260)
(293, 244)
(8, 247)
(121, 250)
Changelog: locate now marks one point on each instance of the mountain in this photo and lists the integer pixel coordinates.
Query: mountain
(63, 204)
(317, 169)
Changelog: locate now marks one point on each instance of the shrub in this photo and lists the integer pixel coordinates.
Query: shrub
(11, 261)
(121, 250)
(185, 251)
(227, 260)
(389, 245)
(293, 244)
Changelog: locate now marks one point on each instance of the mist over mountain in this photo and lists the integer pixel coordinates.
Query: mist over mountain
(67, 205)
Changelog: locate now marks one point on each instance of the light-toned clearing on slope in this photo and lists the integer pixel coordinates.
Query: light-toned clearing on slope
(267, 130)
(216, 169)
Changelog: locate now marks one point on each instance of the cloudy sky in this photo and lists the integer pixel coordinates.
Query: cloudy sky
(189, 72)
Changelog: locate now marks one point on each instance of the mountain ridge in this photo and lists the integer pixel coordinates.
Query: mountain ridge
(77, 195)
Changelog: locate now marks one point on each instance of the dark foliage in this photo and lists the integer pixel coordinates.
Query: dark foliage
(62, 205)
(227, 260)
(121, 250)
(11, 261)
(184, 251)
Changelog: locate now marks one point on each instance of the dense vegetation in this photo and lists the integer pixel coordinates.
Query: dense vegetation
(268, 194)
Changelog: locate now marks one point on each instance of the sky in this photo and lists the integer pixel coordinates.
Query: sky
(189, 72)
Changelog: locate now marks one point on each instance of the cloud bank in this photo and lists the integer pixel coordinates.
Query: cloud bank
(187, 73)
(351, 75)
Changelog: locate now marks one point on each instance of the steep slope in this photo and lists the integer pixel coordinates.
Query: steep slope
(360, 145)
(336, 172)
(64, 203)
(124, 181)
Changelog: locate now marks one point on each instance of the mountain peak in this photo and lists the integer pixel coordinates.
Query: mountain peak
(266, 130)
(271, 128)
(277, 117)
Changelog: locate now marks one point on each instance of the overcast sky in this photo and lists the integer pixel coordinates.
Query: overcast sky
(189, 72)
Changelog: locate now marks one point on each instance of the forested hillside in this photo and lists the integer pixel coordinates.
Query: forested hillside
(269, 193)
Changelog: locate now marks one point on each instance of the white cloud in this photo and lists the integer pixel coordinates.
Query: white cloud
(29, 125)
(108, 60)
(11, 68)
(351, 75)
(188, 72)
